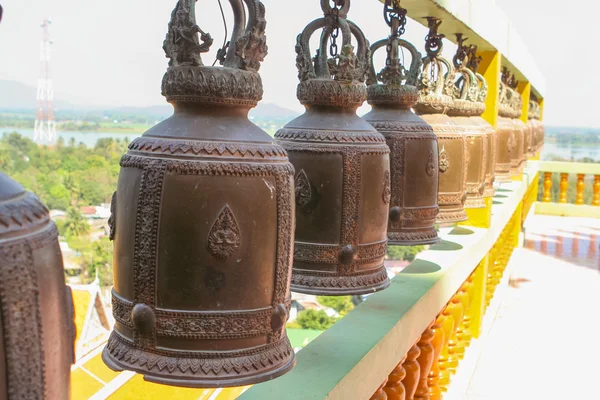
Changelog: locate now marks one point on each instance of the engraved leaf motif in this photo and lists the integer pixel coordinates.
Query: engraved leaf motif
(430, 168)
(387, 191)
(303, 189)
(224, 236)
(444, 160)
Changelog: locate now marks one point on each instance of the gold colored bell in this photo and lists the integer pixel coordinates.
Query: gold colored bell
(465, 106)
(414, 169)
(435, 99)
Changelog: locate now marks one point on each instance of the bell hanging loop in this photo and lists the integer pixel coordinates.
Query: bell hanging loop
(433, 41)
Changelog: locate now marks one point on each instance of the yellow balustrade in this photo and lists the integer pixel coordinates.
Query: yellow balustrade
(444, 380)
(425, 361)
(547, 187)
(380, 394)
(394, 389)
(437, 342)
(564, 186)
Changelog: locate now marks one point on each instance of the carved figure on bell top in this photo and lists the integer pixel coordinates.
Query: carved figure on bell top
(465, 107)
(512, 111)
(436, 91)
(37, 329)
(414, 149)
(202, 222)
(506, 138)
(342, 165)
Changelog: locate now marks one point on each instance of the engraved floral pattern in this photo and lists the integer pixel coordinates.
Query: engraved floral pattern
(444, 160)
(303, 189)
(430, 168)
(387, 191)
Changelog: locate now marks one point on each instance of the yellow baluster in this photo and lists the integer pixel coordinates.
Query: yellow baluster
(463, 335)
(564, 186)
(394, 389)
(444, 355)
(547, 187)
(580, 187)
(596, 200)
(453, 345)
(380, 394)
(411, 380)
(437, 342)
(425, 361)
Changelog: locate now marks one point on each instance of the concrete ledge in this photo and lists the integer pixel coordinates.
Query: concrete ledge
(353, 357)
(569, 167)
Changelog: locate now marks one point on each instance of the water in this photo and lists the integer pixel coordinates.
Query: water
(569, 152)
(87, 138)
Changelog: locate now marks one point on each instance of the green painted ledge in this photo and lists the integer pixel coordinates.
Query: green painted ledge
(353, 357)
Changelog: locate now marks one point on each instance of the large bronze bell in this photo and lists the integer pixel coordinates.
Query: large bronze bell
(506, 142)
(436, 88)
(464, 107)
(342, 166)
(532, 129)
(513, 112)
(203, 223)
(37, 328)
(488, 129)
(413, 145)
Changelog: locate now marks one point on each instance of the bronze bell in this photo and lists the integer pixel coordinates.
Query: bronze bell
(513, 112)
(203, 223)
(488, 129)
(435, 99)
(37, 329)
(464, 107)
(414, 151)
(532, 129)
(342, 166)
(506, 139)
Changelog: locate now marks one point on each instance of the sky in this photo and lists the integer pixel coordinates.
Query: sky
(109, 52)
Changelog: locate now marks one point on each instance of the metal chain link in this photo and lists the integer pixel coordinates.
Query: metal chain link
(335, 33)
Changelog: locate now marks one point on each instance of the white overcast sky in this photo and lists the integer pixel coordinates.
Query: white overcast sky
(109, 52)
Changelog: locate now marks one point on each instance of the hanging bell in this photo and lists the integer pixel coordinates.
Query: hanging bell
(513, 113)
(414, 151)
(465, 107)
(436, 88)
(37, 329)
(342, 166)
(488, 129)
(531, 130)
(203, 223)
(506, 138)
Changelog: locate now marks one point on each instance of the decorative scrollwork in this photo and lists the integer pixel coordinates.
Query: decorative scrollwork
(303, 189)
(444, 161)
(387, 190)
(224, 236)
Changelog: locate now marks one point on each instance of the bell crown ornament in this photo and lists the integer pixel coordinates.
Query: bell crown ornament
(395, 84)
(436, 81)
(466, 90)
(202, 222)
(337, 80)
(341, 162)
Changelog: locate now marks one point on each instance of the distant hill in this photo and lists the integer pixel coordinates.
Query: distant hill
(19, 96)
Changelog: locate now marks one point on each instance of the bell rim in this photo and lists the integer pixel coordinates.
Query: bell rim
(341, 291)
(435, 240)
(201, 382)
(451, 216)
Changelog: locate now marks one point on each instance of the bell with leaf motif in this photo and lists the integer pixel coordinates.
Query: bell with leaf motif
(37, 329)
(512, 112)
(414, 152)
(465, 106)
(342, 165)
(203, 223)
(506, 143)
(436, 88)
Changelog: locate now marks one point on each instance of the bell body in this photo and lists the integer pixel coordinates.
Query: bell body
(37, 330)
(452, 144)
(476, 154)
(203, 234)
(529, 138)
(414, 171)
(490, 169)
(342, 201)
(507, 144)
(519, 156)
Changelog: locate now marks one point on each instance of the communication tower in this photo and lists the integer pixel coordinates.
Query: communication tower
(45, 126)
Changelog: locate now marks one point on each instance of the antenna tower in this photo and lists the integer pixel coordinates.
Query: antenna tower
(45, 126)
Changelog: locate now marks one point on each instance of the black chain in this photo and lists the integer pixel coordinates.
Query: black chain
(433, 40)
(335, 33)
(395, 17)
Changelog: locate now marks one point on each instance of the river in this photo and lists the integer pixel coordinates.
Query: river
(90, 138)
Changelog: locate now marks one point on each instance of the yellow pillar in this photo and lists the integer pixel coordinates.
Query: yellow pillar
(477, 309)
(490, 68)
(524, 88)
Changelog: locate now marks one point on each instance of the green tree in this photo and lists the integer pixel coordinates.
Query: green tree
(75, 224)
(407, 253)
(313, 319)
(342, 304)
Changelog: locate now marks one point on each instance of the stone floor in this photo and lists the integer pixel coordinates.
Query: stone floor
(544, 342)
